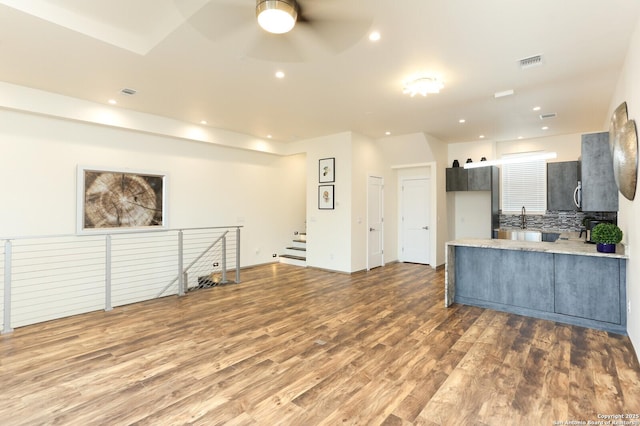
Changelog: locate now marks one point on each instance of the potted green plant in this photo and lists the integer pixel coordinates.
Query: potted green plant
(606, 235)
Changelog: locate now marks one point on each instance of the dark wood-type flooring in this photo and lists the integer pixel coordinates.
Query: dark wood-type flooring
(298, 346)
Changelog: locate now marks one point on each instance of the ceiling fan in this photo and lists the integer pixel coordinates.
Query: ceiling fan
(318, 28)
(277, 16)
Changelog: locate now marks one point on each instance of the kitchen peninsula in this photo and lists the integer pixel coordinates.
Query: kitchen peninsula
(567, 281)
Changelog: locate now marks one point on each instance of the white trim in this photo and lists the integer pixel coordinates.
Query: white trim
(513, 159)
(412, 166)
(369, 176)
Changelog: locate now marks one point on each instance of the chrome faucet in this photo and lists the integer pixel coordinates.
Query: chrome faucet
(523, 218)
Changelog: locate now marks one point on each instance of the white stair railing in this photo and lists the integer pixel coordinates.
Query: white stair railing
(51, 277)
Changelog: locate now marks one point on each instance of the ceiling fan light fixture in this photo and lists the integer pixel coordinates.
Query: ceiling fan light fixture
(277, 16)
(422, 86)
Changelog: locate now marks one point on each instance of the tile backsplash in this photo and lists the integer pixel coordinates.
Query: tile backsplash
(555, 220)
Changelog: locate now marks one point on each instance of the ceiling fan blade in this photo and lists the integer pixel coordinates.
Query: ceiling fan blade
(222, 19)
(339, 35)
(325, 27)
(276, 48)
(338, 23)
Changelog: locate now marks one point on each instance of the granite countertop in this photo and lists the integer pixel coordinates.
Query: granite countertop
(566, 244)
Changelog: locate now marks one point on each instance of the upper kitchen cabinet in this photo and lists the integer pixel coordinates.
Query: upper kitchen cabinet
(457, 179)
(562, 181)
(599, 189)
(481, 178)
(477, 179)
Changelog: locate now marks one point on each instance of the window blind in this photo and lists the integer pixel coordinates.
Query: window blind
(524, 184)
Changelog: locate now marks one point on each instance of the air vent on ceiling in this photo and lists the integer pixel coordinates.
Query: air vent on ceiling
(532, 61)
(127, 91)
(548, 115)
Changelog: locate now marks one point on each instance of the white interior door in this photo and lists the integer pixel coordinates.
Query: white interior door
(375, 222)
(416, 216)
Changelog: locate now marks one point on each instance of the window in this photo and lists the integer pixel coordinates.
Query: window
(524, 184)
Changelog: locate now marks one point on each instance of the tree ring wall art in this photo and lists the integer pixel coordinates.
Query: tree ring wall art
(120, 200)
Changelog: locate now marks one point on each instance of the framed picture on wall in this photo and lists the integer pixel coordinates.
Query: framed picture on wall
(325, 197)
(327, 170)
(120, 200)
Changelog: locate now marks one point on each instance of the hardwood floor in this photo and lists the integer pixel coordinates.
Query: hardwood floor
(300, 346)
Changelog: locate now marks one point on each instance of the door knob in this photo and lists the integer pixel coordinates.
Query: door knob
(425, 228)
(371, 229)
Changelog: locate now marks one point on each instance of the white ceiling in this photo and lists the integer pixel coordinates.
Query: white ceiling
(196, 60)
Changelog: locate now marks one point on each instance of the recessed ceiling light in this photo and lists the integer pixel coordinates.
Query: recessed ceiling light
(279, 74)
(113, 101)
(269, 136)
(374, 36)
(387, 133)
(545, 127)
(203, 122)
(536, 108)
(481, 136)
(462, 120)
(519, 137)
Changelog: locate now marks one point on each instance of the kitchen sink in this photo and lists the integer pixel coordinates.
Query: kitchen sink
(519, 234)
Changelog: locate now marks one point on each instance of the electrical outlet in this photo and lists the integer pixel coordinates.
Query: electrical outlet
(274, 255)
(216, 264)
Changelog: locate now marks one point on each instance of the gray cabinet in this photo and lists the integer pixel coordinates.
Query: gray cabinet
(480, 179)
(589, 291)
(457, 179)
(588, 287)
(477, 179)
(507, 277)
(599, 189)
(562, 180)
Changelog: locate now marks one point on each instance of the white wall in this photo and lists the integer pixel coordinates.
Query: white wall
(473, 214)
(419, 150)
(367, 161)
(208, 185)
(474, 150)
(469, 212)
(628, 90)
(329, 231)
(337, 239)
(567, 147)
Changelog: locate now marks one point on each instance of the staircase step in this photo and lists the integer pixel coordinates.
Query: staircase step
(297, 248)
(300, 241)
(293, 260)
(290, 256)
